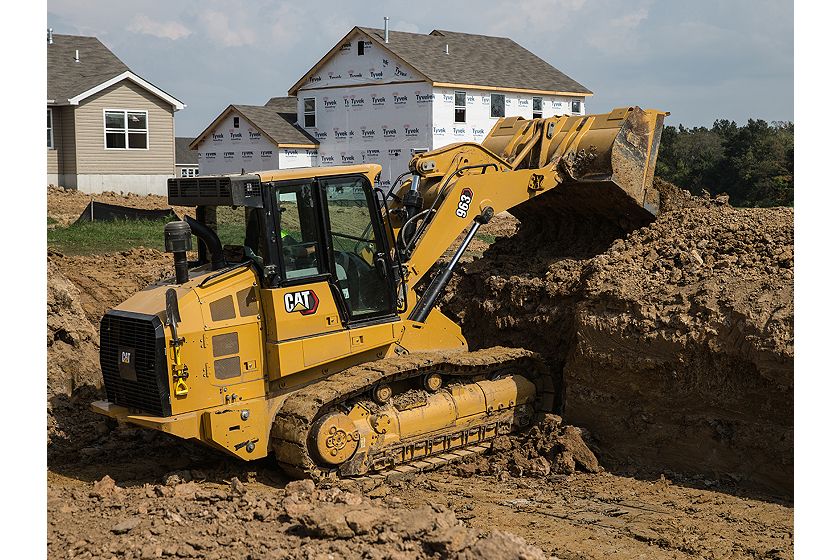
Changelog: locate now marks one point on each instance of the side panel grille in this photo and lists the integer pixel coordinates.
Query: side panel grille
(133, 360)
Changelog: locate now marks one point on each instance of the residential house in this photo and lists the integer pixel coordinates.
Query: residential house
(186, 159)
(381, 96)
(255, 137)
(108, 129)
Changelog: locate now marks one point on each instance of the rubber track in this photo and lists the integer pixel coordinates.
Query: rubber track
(295, 417)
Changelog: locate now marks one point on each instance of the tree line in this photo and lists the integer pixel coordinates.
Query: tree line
(753, 163)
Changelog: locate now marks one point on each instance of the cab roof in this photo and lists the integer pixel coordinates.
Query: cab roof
(369, 169)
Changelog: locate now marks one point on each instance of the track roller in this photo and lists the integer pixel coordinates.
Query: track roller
(382, 393)
(432, 382)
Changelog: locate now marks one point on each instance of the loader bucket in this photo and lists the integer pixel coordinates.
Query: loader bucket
(604, 165)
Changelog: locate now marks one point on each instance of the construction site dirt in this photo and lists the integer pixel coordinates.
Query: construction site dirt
(674, 348)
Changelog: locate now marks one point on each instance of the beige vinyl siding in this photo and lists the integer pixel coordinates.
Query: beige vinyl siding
(67, 143)
(91, 154)
(52, 153)
(62, 158)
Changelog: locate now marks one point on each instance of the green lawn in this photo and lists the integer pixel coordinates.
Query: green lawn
(91, 238)
(106, 237)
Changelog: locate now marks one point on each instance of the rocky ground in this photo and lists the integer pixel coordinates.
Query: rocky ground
(118, 492)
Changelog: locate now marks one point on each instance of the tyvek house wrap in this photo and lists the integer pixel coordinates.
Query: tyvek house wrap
(369, 108)
(229, 150)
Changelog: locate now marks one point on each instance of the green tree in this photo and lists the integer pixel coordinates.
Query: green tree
(753, 163)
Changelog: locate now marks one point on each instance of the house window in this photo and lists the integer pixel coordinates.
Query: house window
(235, 122)
(537, 104)
(460, 106)
(576, 107)
(497, 105)
(360, 48)
(189, 172)
(126, 130)
(309, 112)
(49, 129)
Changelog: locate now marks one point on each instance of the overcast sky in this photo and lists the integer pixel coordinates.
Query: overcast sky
(700, 60)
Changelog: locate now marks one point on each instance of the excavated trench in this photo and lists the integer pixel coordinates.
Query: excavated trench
(673, 343)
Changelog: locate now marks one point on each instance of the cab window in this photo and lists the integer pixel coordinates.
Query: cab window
(361, 280)
(297, 226)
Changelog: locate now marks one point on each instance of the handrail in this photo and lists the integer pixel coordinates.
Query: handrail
(224, 271)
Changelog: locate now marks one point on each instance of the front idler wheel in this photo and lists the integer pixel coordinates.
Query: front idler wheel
(334, 438)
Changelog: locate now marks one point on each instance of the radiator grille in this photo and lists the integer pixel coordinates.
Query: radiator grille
(216, 190)
(137, 381)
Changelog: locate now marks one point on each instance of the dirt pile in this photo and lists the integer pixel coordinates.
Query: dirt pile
(107, 280)
(72, 342)
(186, 518)
(549, 447)
(674, 343)
(65, 205)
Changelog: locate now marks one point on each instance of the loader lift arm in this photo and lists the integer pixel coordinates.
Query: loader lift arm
(599, 164)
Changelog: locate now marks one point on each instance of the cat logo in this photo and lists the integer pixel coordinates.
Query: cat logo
(305, 302)
(125, 363)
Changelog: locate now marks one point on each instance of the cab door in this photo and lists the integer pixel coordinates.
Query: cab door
(320, 290)
(359, 253)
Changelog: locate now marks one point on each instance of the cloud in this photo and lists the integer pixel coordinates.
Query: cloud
(218, 26)
(701, 60)
(621, 35)
(163, 29)
(537, 16)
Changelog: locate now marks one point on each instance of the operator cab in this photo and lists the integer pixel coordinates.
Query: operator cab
(301, 231)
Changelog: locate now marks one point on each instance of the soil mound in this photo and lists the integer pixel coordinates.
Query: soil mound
(674, 344)
(79, 291)
(72, 342)
(107, 280)
(65, 205)
(549, 447)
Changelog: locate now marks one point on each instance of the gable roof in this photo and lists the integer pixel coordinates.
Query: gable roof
(69, 82)
(183, 154)
(278, 127)
(478, 61)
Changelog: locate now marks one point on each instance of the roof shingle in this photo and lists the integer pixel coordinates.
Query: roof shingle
(475, 60)
(183, 154)
(283, 104)
(67, 78)
(279, 126)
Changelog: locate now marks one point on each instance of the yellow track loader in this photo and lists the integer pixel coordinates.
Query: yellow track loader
(317, 337)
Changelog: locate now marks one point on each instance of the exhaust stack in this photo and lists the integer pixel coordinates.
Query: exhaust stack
(386, 29)
(177, 239)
